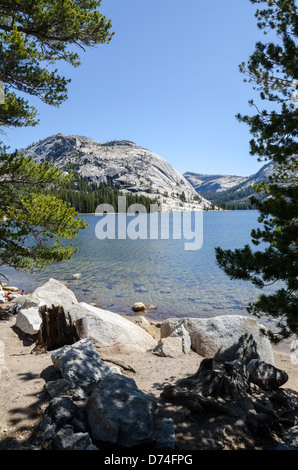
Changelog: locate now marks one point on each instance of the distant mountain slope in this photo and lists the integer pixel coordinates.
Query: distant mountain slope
(213, 182)
(135, 169)
(232, 191)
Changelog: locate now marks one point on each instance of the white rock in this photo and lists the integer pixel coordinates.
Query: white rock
(106, 328)
(53, 292)
(29, 320)
(184, 335)
(169, 347)
(115, 369)
(225, 338)
(142, 322)
(77, 276)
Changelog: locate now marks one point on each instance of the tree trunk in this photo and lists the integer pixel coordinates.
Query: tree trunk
(56, 330)
(227, 391)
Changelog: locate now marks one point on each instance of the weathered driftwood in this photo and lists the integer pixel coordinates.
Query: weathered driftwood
(56, 330)
(228, 391)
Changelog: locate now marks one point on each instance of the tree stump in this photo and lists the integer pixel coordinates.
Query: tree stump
(228, 391)
(56, 330)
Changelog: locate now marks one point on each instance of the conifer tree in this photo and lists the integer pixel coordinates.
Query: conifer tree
(34, 36)
(273, 71)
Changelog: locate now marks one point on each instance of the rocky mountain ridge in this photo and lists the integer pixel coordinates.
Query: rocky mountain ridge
(216, 183)
(136, 169)
(234, 190)
(221, 183)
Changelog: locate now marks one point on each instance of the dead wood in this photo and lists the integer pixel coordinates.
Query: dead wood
(194, 401)
(57, 330)
(228, 391)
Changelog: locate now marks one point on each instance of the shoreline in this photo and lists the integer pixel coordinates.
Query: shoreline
(24, 374)
(152, 314)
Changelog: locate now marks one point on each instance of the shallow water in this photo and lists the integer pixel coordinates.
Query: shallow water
(115, 273)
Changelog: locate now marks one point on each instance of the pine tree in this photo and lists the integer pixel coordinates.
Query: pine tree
(34, 36)
(273, 70)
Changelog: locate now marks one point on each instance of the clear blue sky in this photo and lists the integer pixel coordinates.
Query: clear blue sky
(168, 81)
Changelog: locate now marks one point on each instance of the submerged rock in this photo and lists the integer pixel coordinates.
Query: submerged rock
(138, 307)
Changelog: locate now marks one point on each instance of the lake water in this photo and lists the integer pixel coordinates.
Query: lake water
(116, 273)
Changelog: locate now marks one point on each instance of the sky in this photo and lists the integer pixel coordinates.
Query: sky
(168, 81)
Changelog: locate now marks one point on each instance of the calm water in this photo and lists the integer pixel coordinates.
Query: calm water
(116, 273)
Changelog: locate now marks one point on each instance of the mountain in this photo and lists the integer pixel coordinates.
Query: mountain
(134, 169)
(215, 183)
(232, 191)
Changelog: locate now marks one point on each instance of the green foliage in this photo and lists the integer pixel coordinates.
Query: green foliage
(231, 199)
(34, 36)
(85, 196)
(31, 221)
(272, 69)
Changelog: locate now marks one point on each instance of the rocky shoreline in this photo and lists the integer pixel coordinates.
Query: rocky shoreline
(102, 391)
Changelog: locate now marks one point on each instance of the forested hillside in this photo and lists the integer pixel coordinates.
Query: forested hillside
(85, 196)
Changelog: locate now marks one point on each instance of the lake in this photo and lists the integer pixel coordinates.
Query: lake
(115, 273)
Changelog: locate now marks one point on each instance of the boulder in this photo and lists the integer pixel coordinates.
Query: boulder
(169, 347)
(106, 328)
(225, 338)
(63, 387)
(118, 412)
(29, 320)
(80, 364)
(144, 323)
(165, 435)
(292, 437)
(181, 332)
(138, 307)
(53, 292)
(266, 375)
(48, 429)
(171, 324)
(62, 410)
(67, 439)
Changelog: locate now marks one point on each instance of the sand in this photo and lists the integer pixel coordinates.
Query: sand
(23, 375)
